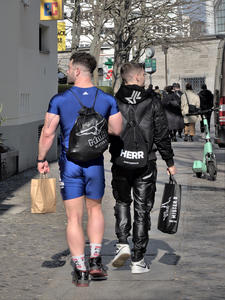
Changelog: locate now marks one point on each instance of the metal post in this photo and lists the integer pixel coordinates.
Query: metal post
(165, 48)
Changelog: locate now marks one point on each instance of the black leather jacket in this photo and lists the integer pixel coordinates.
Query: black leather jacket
(153, 123)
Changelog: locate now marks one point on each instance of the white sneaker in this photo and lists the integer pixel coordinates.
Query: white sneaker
(122, 254)
(139, 267)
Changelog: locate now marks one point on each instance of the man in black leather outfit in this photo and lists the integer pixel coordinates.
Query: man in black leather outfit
(141, 181)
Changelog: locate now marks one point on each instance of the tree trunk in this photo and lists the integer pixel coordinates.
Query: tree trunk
(76, 27)
(95, 73)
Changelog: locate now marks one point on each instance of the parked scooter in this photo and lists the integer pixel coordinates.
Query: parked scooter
(209, 163)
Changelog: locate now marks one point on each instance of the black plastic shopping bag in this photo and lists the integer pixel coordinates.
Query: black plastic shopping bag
(169, 212)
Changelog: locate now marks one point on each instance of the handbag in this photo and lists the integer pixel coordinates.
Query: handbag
(192, 108)
(169, 212)
(43, 195)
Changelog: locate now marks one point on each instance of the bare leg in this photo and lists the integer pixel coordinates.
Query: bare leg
(74, 232)
(96, 222)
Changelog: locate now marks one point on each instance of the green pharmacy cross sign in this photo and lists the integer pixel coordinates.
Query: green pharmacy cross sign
(109, 63)
(150, 65)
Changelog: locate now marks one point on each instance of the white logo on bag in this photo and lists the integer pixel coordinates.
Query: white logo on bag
(174, 210)
(135, 96)
(95, 130)
(132, 154)
(100, 136)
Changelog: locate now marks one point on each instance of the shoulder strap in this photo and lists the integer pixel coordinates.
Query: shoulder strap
(81, 102)
(187, 99)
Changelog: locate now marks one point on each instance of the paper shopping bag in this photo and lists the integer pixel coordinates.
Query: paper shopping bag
(43, 195)
(169, 212)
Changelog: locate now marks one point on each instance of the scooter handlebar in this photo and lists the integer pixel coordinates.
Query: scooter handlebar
(202, 112)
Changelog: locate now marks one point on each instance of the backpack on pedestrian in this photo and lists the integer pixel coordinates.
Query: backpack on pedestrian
(89, 135)
(133, 150)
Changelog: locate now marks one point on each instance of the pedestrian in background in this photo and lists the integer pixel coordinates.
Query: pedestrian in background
(159, 93)
(189, 121)
(171, 104)
(206, 102)
(178, 92)
(80, 182)
(141, 182)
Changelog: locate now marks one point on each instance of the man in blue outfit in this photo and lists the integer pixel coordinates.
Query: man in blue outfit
(133, 100)
(83, 181)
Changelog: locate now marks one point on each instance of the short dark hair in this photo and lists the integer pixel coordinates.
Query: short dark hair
(85, 59)
(128, 68)
(169, 89)
(176, 85)
(156, 87)
(204, 86)
(188, 86)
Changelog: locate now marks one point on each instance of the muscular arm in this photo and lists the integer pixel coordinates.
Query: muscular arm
(46, 139)
(115, 124)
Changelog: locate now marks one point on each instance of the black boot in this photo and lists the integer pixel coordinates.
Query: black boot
(186, 137)
(191, 138)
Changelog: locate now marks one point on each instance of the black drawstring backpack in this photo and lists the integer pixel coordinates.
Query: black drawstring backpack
(89, 135)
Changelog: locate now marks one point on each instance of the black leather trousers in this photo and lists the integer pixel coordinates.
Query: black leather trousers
(143, 183)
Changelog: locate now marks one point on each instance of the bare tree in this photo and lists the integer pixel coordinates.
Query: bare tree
(137, 24)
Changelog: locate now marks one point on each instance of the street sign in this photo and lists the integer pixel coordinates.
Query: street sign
(150, 65)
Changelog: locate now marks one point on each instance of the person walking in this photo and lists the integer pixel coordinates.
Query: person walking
(134, 101)
(158, 93)
(206, 102)
(177, 91)
(171, 104)
(189, 121)
(80, 181)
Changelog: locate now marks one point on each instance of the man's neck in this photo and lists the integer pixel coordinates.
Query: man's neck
(84, 82)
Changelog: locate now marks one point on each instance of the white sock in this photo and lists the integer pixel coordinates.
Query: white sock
(95, 249)
(79, 262)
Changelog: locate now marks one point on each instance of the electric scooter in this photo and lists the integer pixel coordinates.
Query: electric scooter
(209, 163)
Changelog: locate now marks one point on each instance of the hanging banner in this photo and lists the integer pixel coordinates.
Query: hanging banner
(61, 36)
(107, 68)
(51, 10)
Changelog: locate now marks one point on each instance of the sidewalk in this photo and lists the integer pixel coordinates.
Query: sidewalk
(188, 265)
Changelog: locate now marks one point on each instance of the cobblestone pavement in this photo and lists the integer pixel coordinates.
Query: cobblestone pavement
(200, 273)
(28, 241)
(32, 246)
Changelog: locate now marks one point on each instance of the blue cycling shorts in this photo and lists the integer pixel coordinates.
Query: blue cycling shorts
(84, 179)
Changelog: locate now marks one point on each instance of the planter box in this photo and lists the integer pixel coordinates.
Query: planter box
(11, 159)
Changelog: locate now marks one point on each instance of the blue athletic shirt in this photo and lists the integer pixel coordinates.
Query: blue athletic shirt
(67, 106)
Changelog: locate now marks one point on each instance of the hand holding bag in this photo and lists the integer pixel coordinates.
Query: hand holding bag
(169, 212)
(43, 195)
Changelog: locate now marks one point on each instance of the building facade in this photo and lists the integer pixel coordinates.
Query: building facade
(28, 79)
(194, 62)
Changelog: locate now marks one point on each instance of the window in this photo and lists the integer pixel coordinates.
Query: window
(220, 16)
(43, 38)
(196, 83)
